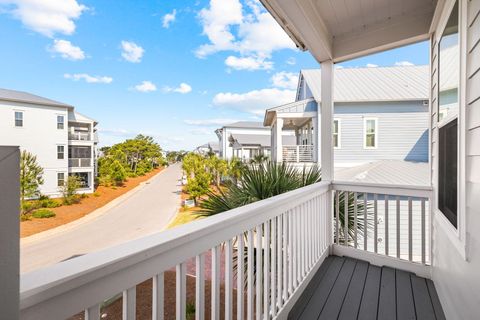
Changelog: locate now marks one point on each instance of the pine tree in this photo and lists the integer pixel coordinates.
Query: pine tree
(30, 176)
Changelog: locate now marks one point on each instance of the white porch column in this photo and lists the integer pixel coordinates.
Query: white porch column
(326, 121)
(278, 140)
(316, 137)
(9, 232)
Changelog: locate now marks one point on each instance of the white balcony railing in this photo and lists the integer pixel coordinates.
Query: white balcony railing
(79, 162)
(79, 136)
(385, 220)
(298, 153)
(281, 241)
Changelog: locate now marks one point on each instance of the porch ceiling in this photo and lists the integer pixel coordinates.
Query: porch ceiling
(342, 30)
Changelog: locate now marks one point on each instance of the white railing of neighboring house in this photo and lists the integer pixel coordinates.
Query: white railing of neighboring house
(81, 136)
(282, 241)
(298, 153)
(79, 162)
(397, 219)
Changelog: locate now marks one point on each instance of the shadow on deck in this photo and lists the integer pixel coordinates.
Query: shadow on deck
(345, 288)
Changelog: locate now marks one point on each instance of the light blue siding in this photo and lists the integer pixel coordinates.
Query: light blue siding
(402, 131)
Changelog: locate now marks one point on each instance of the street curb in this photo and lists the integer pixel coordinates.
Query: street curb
(88, 217)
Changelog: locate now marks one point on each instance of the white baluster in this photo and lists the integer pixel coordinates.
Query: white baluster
(200, 287)
(181, 292)
(128, 304)
(157, 297)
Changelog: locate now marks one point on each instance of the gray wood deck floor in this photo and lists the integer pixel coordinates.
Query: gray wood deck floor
(345, 288)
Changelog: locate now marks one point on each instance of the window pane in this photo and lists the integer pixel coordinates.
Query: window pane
(370, 126)
(18, 119)
(370, 141)
(449, 65)
(60, 152)
(447, 175)
(335, 126)
(60, 122)
(335, 140)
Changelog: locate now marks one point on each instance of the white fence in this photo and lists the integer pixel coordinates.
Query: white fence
(298, 153)
(281, 242)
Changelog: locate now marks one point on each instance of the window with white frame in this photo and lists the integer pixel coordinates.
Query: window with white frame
(336, 133)
(18, 119)
(60, 152)
(370, 131)
(448, 105)
(60, 122)
(60, 179)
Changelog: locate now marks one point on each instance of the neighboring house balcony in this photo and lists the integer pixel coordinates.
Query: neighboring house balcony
(298, 153)
(299, 119)
(80, 132)
(80, 162)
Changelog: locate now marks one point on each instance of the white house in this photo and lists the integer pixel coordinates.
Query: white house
(297, 264)
(237, 129)
(379, 114)
(63, 140)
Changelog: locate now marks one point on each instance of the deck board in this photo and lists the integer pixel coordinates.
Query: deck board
(348, 289)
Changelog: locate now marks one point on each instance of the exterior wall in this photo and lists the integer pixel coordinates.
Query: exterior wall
(457, 261)
(39, 135)
(402, 132)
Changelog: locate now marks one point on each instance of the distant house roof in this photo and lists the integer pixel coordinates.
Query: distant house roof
(21, 96)
(246, 124)
(214, 146)
(257, 140)
(78, 117)
(307, 105)
(397, 83)
(387, 172)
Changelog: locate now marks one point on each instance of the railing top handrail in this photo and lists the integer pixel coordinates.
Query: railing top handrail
(43, 284)
(388, 189)
(297, 145)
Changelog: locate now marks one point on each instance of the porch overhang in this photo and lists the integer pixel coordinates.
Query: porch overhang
(338, 30)
(302, 108)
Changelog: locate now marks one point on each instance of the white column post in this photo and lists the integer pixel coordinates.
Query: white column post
(278, 140)
(326, 120)
(316, 140)
(9, 232)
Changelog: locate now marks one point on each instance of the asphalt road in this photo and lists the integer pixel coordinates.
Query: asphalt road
(144, 211)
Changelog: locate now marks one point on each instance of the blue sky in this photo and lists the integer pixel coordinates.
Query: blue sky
(175, 70)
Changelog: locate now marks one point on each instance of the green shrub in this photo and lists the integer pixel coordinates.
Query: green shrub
(25, 217)
(43, 213)
(49, 203)
(28, 206)
(96, 194)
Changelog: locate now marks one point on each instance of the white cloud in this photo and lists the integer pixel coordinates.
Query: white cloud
(371, 65)
(286, 80)
(145, 86)
(255, 101)
(132, 52)
(182, 88)
(202, 131)
(252, 32)
(209, 122)
(88, 78)
(291, 61)
(47, 17)
(337, 66)
(248, 63)
(404, 63)
(67, 50)
(169, 18)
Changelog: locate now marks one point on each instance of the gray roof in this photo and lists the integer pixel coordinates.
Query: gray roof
(258, 140)
(387, 172)
(21, 96)
(373, 84)
(214, 146)
(246, 124)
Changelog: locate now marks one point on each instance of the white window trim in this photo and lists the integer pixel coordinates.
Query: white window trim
(365, 119)
(457, 236)
(64, 178)
(339, 133)
(63, 116)
(15, 119)
(65, 155)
